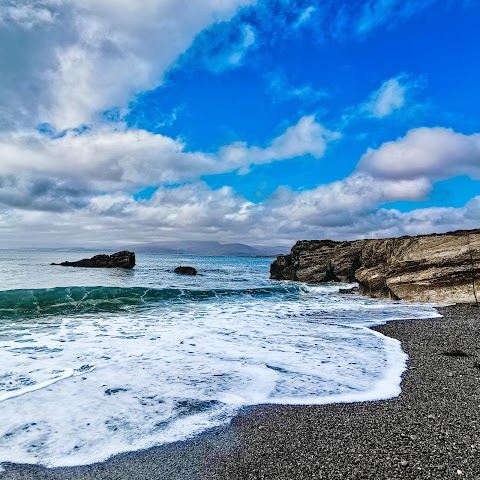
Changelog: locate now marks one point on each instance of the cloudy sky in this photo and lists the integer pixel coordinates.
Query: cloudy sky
(255, 121)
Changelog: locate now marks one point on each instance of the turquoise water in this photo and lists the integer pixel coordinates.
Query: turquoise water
(97, 362)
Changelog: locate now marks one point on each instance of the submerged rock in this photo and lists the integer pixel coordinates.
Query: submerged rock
(186, 271)
(424, 268)
(348, 291)
(123, 259)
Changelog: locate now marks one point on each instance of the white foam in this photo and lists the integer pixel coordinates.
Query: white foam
(81, 390)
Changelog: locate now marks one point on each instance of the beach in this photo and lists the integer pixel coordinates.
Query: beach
(430, 431)
(239, 239)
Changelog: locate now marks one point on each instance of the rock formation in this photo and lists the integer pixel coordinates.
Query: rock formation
(186, 270)
(123, 259)
(426, 268)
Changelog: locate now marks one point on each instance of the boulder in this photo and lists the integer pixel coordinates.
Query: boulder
(443, 268)
(186, 271)
(348, 291)
(123, 259)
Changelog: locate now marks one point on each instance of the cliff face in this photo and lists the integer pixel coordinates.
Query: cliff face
(425, 268)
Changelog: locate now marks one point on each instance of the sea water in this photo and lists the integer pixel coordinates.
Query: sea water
(94, 362)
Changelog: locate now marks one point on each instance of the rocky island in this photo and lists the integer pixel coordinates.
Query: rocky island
(123, 259)
(442, 268)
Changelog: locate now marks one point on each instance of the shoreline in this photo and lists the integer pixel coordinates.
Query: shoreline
(431, 430)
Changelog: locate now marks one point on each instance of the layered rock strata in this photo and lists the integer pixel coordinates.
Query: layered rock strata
(441, 268)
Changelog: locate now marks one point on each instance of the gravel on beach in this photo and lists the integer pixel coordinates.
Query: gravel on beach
(431, 431)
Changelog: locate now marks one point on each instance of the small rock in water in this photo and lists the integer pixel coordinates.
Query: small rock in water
(348, 291)
(186, 271)
(112, 391)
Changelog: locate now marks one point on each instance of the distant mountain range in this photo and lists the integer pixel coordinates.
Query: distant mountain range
(210, 249)
(186, 247)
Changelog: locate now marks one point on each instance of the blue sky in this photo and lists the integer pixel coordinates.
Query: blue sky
(255, 121)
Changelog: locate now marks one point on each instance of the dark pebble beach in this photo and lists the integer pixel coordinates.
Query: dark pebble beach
(431, 431)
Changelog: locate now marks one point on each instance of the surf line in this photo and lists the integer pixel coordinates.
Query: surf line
(67, 374)
(23, 391)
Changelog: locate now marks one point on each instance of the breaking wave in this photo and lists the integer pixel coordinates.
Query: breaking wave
(27, 303)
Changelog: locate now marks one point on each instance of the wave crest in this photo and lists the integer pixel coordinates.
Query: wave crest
(81, 300)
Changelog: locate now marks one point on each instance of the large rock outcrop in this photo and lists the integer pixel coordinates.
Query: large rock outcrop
(123, 259)
(424, 268)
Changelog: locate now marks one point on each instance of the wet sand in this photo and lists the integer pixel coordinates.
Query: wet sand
(431, 431)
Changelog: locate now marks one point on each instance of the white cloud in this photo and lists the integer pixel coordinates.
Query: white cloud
(24, 15)
(306, 137)
(195, 211)
(335, 202)
(281, 90)
(190, 211)
(224, 46)
(111, 159)
(68, 60)
(305, 16)
(395, 94)
(376, 13)
(104, 158)
(389, 97)
(59, 189)
(436, 153)
(236, 57)
(194, 207)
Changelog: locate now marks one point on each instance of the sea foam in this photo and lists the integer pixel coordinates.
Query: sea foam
(77, 389)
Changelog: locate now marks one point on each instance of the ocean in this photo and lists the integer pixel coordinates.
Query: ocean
(95, 362)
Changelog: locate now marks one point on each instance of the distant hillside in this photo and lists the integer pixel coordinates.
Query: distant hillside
(211, 249)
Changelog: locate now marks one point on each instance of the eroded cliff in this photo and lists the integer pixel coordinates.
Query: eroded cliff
(426, 268)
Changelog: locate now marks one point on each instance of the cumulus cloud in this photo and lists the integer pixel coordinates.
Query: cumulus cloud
(192, 211)
(68, 60)
(383, 223)
(394, 95)
(195, 211)
(343, 209)
(67, 198)
(436, 153)
(24, 15)
(104, 158)
(112, 159)
(306, 137)
(388, 98)
(42, 193)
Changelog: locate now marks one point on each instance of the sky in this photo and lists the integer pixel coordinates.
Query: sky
(253, 121)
